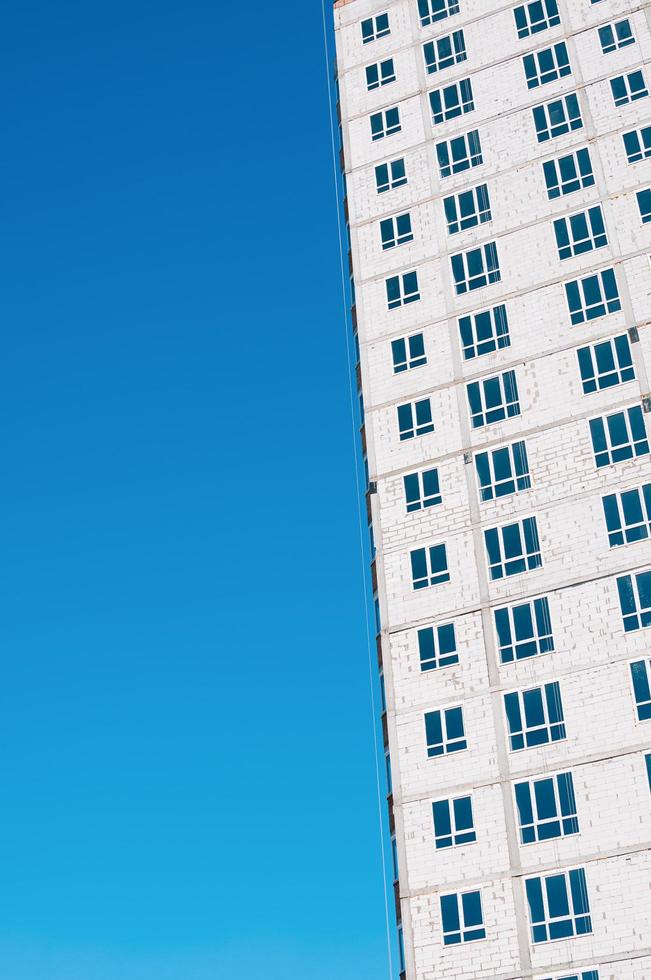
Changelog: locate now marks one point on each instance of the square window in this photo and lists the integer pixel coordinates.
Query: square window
(637, 144)
(619, 436)
(536, 16)
(558, 906)
(422, 490)
(484, 332)
(547, 65)
(415, 419)
(402, 290)
(524, 630)
(641, 679)
(432, 10)
(635, 600)
(546, 808)
(644, 204)
(444, 52)
(592, 296)
(374, 28)
(462, 918)
(452, 101)
(461, 153)
(580, 233)
(569, 173)
(380, 74)
(628, 515)
(555, 118)
(493, 399)
(390, 175)
(408, 353)
(535, 716)
(476, 268)
(385, 123)
(437, 647)
(453, 822)
(445, 732)
(503, 471)
(606, 364)
(429, 566)
(396, 231)
(468, 209)
(513, 548)
(628, 88)
(619, 34)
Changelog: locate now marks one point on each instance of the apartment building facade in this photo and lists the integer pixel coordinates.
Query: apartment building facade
(497, 171)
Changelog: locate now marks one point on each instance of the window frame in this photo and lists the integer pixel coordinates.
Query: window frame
(624, 531)
(469, 833)
(568, 185)
(529, 736)
(580, 232)
(527, 528)
(588, 356)
(440, 60)
(539, 610)
(455, 204)
(425, 499)
(464, 262)
(610, 303)
(571, 818)
(615, 43)
(391, 181)
(434, 575)
(465, 932)
(486, 414)
(537, 74)
(451, 101)
(571, 121)
(435, 661)
(521, 480)
(640, 680)
(448, 746)
(448, 164)
(530, 26)
(616, 452)
(499, 324)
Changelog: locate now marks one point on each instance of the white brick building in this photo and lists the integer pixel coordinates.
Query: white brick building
(497, 161)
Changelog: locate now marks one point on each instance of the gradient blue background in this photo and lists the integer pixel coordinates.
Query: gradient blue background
(187, 785)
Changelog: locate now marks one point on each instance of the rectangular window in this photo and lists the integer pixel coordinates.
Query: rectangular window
(616, 35)
(381, 73)
(462, 153)
(641, 679)
(429, 566)
(644, 204)
(452, 101)
(619, 436)
(445, 732)
(535, 717)
(503, 471)
(390, 175)
(546, 808)
(557, 117)
(635, 600)
(385, 123)
(493, 399)
(628, 88)
(422, 490)
(476, 268)
(444, 52)
(536, 16)
(637, 144)
(580, 233)
(628, 515)
(374, 28)
(432, 10)
(568, 173)
(453, 822)
(415, 419)
(402, 290)
(484, 332)
(408, 353)
(462, 918)
(547, 65)
(467, 209)
(583, 974)
(558, 906)
(606, 364)
(513, 548)
(524, 630)
(437, 647)
(396, 231)
(592, 296)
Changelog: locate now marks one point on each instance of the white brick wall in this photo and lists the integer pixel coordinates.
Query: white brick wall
(605, 744)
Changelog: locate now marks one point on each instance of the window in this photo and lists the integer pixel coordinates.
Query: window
(584, 974)
(637, 144)
(422, 490)
(390, 175)
(476, 268)
(385, 123)
(415, 419)
(503, 471)
(635, 600)
(546, 808)
(558, 906)
(444, 52)
(535, 717)
(402, 290)
(375, 28)
(432, 10)
(568, 173)
(513, 548)
(619, 436)
(396, 231)
(493, 399)
(647, 759)
(408, 353)
(606, 364)
(429, 566)
(451, 101)
(547, 65)
(469, 208)
(453, 822)
(437, 647)
(580, 233)
(557, 117)
(445, 732)
(484, 332)
(531, 18)
(628, 515)
(641, 678)
(381, 73)
(616, 35)
(628, 88)
(464, 152)
(462, 918)
(644, 204)
(592, 296)
(524, 630)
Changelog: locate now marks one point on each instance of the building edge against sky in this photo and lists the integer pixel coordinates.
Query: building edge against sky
(496, 160)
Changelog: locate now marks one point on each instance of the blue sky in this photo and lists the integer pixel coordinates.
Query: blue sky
(187, 780)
